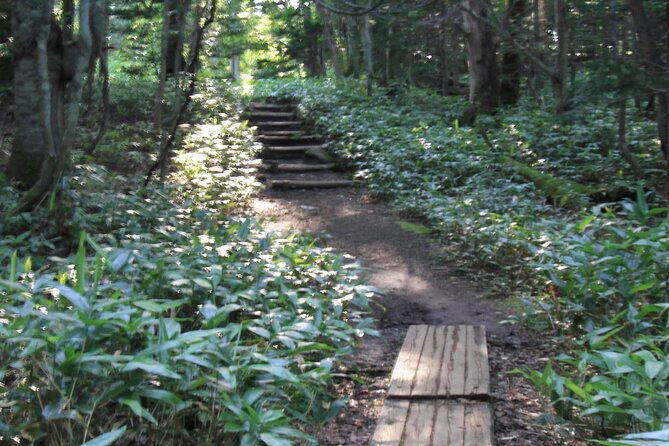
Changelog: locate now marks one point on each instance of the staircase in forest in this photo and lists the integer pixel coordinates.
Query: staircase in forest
(292, 158)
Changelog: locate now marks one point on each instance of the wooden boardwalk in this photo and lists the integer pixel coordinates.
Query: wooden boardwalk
(438, 390)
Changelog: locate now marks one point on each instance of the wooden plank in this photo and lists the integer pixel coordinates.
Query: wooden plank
(478, 425)
(391, 423)
(454, 370)
(434, 423)
(287, 138)
(272, 106)
(404, 372)
(478, 373)
(289, 149)
(449, 425)
(446, 362)
(309, 184)
(420, 424)
(276, 123)
(430, 362)
(284, 133)
(255, 114)
(301, 167)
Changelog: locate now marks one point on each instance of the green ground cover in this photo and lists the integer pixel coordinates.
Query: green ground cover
(548, 207)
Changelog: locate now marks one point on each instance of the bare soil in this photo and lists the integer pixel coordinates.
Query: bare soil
(417, 290)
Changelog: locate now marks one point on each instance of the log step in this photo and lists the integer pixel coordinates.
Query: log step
(442, 362)
(434, 423)
(298, 167)
(286, 139)
(276, 123)
(261, 106)
(295, 149)
(308, 184)
(257, 114)
(291, 133)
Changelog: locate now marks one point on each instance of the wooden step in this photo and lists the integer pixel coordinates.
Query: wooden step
(308, 184)
(278, 124)
(277, 115)
(298, 167)
(292, 133)
(263, 106)
(295, 149)
(434, 423)
(442, 362)
(287, 139)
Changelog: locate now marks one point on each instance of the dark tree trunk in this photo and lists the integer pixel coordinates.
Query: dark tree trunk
(49, 76)
(511, 61)
(651, 57)
(32, 20)
(481, 57)
(559, 78)
(352, 46)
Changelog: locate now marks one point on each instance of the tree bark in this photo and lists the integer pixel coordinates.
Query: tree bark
(368, 47)
(331, 42)
(49, 77)
(559, 77)
(481, 57)
(652, 62)
(352, 46)
(160, 92)
(511, 61)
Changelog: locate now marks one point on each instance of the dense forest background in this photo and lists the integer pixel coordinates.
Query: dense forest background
(529, 137)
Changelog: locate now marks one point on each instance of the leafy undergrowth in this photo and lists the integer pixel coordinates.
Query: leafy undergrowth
(598, 273)
(171, 322)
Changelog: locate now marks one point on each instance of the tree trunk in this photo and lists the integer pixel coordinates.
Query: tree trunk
(481, 57)
(651, 56)
(368, 47)
(511, 61)
(49, 78)
(622, 140)
(352, 47)
(445, 65)
(331, 42)
(559, 77)
(34, 136)
(313, 49)
(160, 92)
(99, 52)
(535, 79)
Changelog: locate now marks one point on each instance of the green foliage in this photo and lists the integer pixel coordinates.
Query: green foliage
(150, 316)
(600, 275)
(226, 331)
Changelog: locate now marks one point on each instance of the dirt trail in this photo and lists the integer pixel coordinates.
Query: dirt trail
(416, 290)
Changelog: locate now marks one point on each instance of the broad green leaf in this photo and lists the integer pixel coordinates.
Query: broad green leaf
(151, 366)
(106, 439)
(76, 299)
(158, 307)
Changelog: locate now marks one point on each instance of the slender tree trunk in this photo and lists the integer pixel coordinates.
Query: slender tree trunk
(511, 61)
(536, 81)
(352, 46)
(160, 92)
(481, 57)
(368, 47)
(445, 64)
(653, 65)
(99, 52)
(386, 53)
(561, 60)
(622, 140)
(331, 41)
